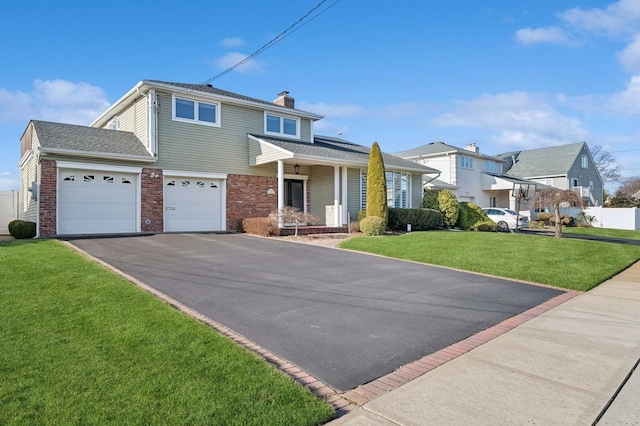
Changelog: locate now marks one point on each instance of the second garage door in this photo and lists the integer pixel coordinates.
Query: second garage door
(192, 204)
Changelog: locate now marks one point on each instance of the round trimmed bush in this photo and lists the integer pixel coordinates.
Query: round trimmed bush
(372, 225)
(20, 229)
(485, 226)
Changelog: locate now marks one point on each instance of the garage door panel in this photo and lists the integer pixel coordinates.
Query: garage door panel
(192, 205)
(92, 202)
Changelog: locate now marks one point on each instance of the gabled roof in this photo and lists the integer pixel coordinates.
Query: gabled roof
(551, 161)
(206, 90)
(435, 148)
(59, 137)
(336, 150)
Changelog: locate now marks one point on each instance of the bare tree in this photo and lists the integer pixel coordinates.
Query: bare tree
(295, 216)
(628, 195)
(606, 164)
(553, 197)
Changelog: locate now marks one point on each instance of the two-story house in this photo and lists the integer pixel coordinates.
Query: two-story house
(172, 157)
(469, 174)
(568, 166)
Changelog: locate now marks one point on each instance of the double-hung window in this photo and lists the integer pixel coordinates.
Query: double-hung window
(281, 126)
(189, 110)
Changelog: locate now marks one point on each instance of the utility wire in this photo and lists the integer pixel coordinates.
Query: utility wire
(275, 40)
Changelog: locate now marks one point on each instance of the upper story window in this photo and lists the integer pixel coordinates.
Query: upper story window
(282, 126)
(585, 162)
(466, 162)
(492, 166)
(193, 111)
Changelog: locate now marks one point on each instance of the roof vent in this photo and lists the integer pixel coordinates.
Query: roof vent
(285, 100)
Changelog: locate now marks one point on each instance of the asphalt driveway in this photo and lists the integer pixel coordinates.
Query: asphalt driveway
(346, 318)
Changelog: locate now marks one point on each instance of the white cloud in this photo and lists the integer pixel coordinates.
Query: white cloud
(232, 42)
(629, 57)
(231, 59)
(332, 110)
(542, 35)
(517, 120)
(617, 18)
(53, 100)
(626, 102)
(9, 181)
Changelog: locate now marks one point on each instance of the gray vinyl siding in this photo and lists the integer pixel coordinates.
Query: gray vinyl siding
(28, 174)
(135, 119)
(416, 191)
(353, 193)
(321, 185)
(584, 176)
(200, 148)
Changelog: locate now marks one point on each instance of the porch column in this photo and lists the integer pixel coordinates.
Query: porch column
(345, 212)
(280, 192)
(336, 196)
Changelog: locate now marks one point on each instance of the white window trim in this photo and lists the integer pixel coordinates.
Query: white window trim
(282, 134)
(195, 112)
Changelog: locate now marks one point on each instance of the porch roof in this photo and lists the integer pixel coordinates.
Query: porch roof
(324, 150)
(498, 181)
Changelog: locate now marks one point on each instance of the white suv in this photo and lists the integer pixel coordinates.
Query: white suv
(506, 218)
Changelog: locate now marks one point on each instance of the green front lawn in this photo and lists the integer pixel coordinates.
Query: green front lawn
(79, 345)
(568, 263)
(603, 232)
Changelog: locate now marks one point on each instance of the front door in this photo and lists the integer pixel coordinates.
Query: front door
(294, 193)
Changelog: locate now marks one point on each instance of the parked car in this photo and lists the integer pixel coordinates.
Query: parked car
(506, 218)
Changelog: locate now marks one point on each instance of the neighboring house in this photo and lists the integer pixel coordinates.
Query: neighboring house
(9, 209)
(472, 176)
(185, 157)
(489, 180)
(565, 167)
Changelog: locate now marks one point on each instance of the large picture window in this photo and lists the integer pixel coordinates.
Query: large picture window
(398, 189)
(207, 113)
(282, 126)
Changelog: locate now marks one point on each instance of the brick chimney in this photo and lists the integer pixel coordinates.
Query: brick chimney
(285, 100)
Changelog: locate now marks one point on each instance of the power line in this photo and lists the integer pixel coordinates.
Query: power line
(275, 40)
(625, 150)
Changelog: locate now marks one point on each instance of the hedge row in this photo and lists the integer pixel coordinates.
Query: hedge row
(419, 219)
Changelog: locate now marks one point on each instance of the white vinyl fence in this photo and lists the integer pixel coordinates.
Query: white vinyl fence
(9, 209)
(607, 217)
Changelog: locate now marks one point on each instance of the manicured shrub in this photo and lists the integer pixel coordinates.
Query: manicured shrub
(361, 214)
(372, 225)
(420, 219)
(430, 199)
(485, 226)
(263, 226)
(469, 214)
(20, 229)
(376, 185)
(448, 205)
(564, 219)
(536, 224)
(544, 217)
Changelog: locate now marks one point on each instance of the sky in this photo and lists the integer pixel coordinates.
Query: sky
(505, 75)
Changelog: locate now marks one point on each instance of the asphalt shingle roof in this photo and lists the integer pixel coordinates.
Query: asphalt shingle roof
(88, 139)
(427, 149)
(340, 149)
(551, 161)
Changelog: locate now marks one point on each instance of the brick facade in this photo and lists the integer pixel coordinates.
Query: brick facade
(249, 196)
(48, 198)
(151, 196)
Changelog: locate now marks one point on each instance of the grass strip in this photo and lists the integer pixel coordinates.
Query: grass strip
(561, 262)
(79, 345)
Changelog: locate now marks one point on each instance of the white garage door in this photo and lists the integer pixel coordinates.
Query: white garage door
(192, 204)
(96, 202)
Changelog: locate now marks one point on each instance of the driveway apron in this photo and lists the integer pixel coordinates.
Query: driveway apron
(346, 318)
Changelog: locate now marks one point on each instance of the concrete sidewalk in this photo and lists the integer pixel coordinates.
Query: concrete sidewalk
(565, 367)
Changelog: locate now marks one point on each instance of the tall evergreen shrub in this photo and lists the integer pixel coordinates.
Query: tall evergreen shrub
(376, 185)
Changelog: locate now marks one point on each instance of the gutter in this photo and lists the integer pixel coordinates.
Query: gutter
(74, 153)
